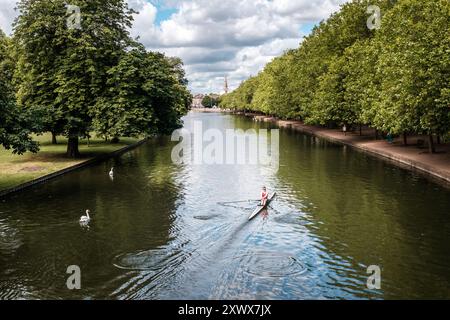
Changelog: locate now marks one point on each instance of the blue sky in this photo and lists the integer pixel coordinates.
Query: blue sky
(164, 13)
(307, 27)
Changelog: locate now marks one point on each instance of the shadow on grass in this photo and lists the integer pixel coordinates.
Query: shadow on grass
(59, 157)
(57, 153)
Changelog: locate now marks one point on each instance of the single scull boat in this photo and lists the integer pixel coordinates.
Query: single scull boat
(260, 208)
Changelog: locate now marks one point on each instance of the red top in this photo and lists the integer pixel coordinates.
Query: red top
(264, 194)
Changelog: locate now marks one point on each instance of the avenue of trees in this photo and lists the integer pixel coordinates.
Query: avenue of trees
(395, 78)
(91, 78)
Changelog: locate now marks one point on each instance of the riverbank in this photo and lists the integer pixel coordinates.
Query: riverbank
(411, 156)
(21, 171)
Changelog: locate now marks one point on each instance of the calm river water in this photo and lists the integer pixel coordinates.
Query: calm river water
(167, 231)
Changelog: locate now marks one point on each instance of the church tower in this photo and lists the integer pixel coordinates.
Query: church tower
(226, 85)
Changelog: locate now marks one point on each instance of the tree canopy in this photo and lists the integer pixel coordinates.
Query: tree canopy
(210, 101)
(394, 78)
(15, 127)
(145, 95)
(92, 77)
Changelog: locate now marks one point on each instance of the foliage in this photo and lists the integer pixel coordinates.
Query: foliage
(414, 68)
(210, 101)
(395, 79)
(14, 132)
(75, 80)
(144, 96)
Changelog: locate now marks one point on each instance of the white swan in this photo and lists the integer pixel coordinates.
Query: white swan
(111, 173)
(86, 218)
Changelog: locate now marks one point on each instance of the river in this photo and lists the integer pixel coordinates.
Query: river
(179, 231)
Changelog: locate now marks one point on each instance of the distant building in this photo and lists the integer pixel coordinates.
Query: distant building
(198, 98)
(226, 85)
(197, 101)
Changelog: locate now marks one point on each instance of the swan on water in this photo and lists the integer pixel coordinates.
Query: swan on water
(86, 218)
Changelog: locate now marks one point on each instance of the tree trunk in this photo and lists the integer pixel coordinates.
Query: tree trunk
(115, 140)
(431, 144)
(405, 138)
(72, 147)
(438, 139)
(376, 134)
(360, 130)
(54, 138)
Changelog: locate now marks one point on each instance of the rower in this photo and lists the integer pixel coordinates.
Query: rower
(264, 196)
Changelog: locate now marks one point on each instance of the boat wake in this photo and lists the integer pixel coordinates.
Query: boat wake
(244, 204)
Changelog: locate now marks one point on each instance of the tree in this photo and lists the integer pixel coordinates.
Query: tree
(63, 70)
(210, 101)
(207, 101)
(125, 108)
(414, 68)
(169, 95)
(146, 94)
(335, 38)
(328, 100)
(268, 92)
(14, 132)
(361, 84)
(245, 93)
(344, 91)
(227, 101)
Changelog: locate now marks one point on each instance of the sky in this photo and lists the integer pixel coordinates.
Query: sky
(218, 38)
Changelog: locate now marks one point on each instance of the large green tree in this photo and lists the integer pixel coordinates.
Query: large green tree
(63, 70)
(414, 68)
(361, 84)
(272, 95)
(207, 101)
(146, 94)
(169, 97)
(330, 104)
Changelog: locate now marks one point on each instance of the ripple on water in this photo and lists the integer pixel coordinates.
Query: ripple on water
(271, 264)
(149, 260)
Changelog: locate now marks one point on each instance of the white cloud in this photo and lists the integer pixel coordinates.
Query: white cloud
(7, 15)
(144, 22)
(218, 38)
(233, 38)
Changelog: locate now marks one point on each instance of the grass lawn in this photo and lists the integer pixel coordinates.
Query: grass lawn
(15, 169)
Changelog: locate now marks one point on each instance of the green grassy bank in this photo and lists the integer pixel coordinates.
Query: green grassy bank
(18, 169)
